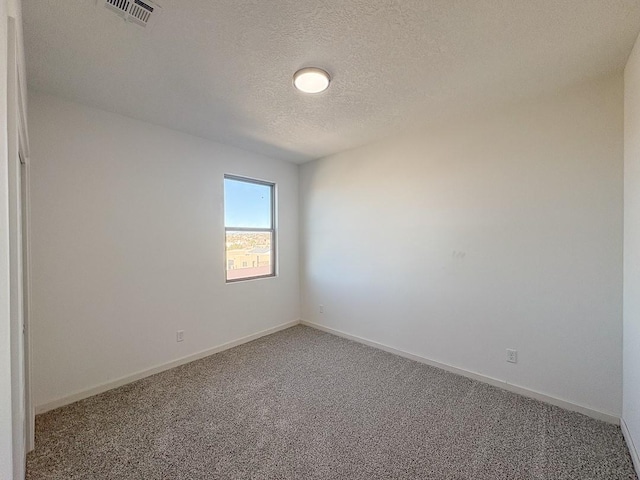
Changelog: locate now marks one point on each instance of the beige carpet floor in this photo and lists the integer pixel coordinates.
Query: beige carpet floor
(302, 404)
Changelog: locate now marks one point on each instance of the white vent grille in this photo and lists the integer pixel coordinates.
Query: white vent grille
(140, 12)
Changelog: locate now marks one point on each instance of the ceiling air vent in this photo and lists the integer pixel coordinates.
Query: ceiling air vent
(141, 12)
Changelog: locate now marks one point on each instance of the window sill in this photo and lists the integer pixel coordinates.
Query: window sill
(240, 280)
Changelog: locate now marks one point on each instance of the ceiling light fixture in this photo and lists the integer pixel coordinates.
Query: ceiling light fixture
(311, 80)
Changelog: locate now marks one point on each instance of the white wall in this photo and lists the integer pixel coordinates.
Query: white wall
(128, 242)
(631, 349)
(532, 196)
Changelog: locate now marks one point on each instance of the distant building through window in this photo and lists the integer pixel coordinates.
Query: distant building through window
(249, 211)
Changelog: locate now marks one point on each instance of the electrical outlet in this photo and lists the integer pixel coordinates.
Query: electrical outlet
(179, 335)
(512, 356)
(321, 308)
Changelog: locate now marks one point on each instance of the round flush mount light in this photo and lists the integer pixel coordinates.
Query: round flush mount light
(311, 80)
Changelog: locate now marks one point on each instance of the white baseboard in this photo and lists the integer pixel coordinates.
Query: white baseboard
(606, 417)
(74, 397)
(635, 457)
(610, 418)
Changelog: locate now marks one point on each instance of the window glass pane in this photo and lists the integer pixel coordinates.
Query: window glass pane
(246, 204)
(249, 254)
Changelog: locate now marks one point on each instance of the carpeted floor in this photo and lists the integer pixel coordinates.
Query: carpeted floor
(302, 404)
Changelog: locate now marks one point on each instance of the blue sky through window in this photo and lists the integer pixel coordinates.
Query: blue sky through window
(246, 204)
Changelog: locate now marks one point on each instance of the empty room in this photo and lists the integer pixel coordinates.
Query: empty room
(351, 239)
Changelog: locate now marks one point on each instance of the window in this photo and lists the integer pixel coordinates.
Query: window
(249, 211)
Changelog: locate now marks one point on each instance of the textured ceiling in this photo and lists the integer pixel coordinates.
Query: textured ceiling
(223, 69)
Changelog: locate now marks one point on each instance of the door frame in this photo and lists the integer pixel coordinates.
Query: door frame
(19, 231)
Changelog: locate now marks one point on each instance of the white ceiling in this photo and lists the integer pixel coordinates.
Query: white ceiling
(223, 69)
